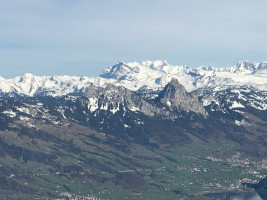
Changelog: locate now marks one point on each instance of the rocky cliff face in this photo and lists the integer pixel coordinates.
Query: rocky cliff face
(113, 98)
(176, 98)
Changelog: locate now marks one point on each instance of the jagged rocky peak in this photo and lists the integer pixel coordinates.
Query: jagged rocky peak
(175, 96)
(114, 98)
(244, 66)
(249, 67)
(119, 70)
(263, 65)
(108, 91)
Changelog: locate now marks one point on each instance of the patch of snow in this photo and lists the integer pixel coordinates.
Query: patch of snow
(114, 110)
(10, 113)
(168, 103)
(31, 125)
(134, 109)
(239, 123)
(62, 113)
(104, 107)
(127, 126)
(23, 118)
(24, 110)
(139, 122)
(236, 105)
(93, 104)
(208, 99)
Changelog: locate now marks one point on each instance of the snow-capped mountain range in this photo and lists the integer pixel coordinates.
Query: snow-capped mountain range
(135, 76)
(155, 75)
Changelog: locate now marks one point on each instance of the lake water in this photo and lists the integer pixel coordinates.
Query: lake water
(235, 196)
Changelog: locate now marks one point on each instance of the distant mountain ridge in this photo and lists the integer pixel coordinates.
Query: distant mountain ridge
(157, 74)
(135, 76)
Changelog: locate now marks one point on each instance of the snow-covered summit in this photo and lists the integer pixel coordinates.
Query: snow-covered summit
(151, 75)
(146, 75)
(246, 67)
(155, 75)
(31, 85)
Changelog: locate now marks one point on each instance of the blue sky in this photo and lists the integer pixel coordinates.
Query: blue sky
(82, 37)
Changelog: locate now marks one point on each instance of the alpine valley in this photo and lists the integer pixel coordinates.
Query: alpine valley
(145, 130)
